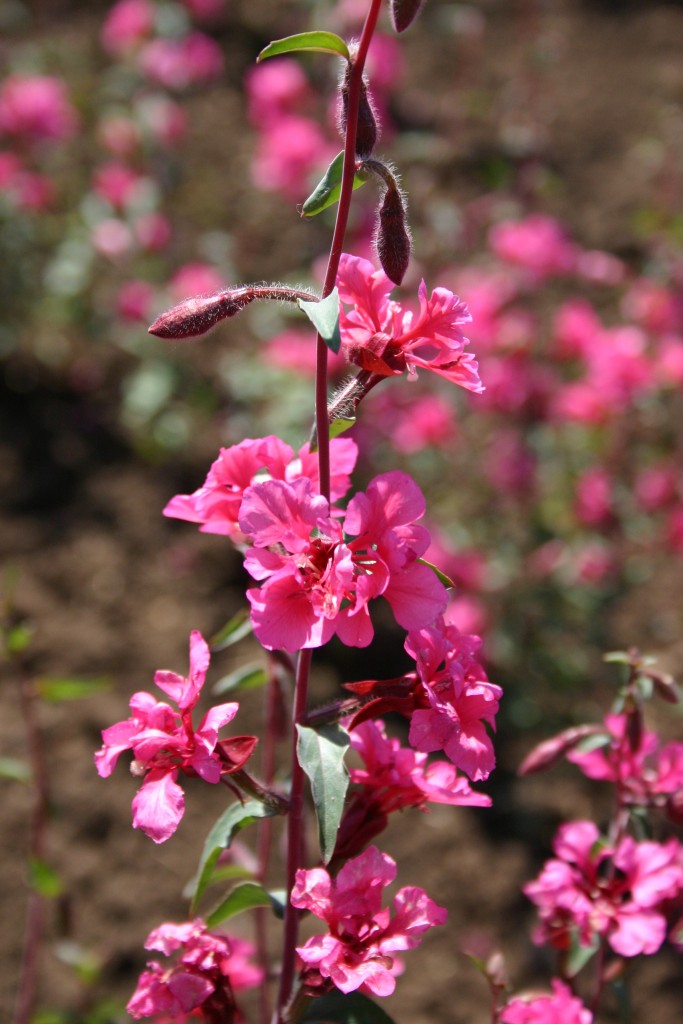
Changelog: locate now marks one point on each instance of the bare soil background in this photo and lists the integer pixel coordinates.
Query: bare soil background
(113, 589)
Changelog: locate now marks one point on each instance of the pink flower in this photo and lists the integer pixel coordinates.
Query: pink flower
(36, 107)
(134, 301)
(165, 742)
(152, 231)
(209, 969)
(275, 89)
(460, 700)
(648, 775)
(319, 578)
(358, 951)
(216, 505)
(116, 183)
(295, 350)
(537, 243)
(127, 25)
(194, 59)
(559, 1008)
(578, 892)
(382, 338)
(287, 153)
(594, 497)
(195, 279)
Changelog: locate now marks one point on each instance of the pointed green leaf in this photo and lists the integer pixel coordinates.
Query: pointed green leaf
(13, 768)
(243, 897)
(324, 316)
(44, 879)
(321, 755)
(354, 1008)
(57, 690)
(446, 580)
(341, 425)
(325, 42)
(219, 838)
(236, 629)
(278, 901)
(328, 189)
(247, 677)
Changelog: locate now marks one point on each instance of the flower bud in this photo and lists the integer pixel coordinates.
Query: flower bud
(404, 13)
(197, 315)
(548, 753)
(366, 130)
(392, 237)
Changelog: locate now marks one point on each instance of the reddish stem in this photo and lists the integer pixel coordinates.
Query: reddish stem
(296, 815)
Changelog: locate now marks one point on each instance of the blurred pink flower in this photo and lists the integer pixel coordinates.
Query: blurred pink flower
(209, 969)
(358, 951)
(538, 243)
(152, 231)
(195, 279)
(134, 301)
(295, 349)
(655, 486)
(116, 183)
(119, 135)
(287, 153)
(205, 10)
(36, 107)
(559, 1008)
(381, 337)
(127, 25)
(275, 89)
(669, 367)
(593, 504)
(112, 238)
(163, 119)
(194, 59)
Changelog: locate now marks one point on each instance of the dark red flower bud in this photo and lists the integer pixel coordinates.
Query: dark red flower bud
(196, 316)
(392, 238)
(366, 132)
(404, 13)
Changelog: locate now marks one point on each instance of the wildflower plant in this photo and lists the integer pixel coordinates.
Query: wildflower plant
(321, 555)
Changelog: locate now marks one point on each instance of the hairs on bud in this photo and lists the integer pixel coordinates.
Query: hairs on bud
(392, 239)
(197, 315)
(367, 130)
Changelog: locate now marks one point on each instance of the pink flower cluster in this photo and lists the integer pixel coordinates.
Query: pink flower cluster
(617, 893)
(560, 1007)
(358, 951)
(164, 742)
(320, 575)
(210, 968)
(648, 774)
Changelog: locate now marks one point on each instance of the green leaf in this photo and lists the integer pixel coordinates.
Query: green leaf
(236, 629)
(328, 189)
(321, 755)
(278, 901)
(354, 1008)
(219, 838)
(580, 955)
(247, 677)
(57, 690)
(446, 580)
(324, 316)
(325, 42)
(341, 425)
(44, 879)
(13, 768)
(243, 897)
(18, 638)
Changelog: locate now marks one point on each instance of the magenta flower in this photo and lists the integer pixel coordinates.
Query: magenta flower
(649, 775)
(592, 890)
(460, 700)
(559, 1008)
(36, 108)
(358, 950)
(319, 578)
(165, 742)
(209, 969)
(382, 338)
(216, 505)
(394, 777)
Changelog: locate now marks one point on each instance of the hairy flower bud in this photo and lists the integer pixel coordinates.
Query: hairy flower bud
(548, 753)
(366, 132)
(404, 13)
(392, 237)
(197, 315)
